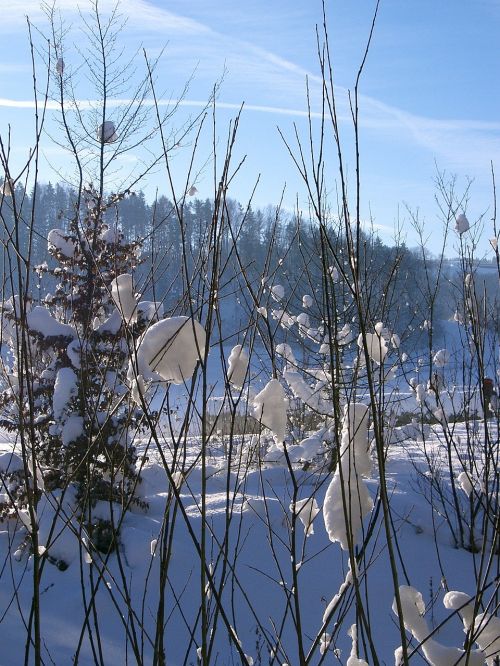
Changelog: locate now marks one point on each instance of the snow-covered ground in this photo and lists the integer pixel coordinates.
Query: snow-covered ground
(253, 502)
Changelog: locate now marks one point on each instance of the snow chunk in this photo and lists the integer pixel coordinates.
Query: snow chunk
(311, 396)
(170, 350)
(334, 274)
(354, 660)
(111, 325)
(347, 482)
(56, 533)
(487, 633)
(344, 335)
(286, 320)
(441, 358)
(465, 483)
(60, 242)
(376, 344)
(306, 510)
(284, 349)
(308, 448)
(107, 132)
(413, 607)
(238, 366)
(462, 224)
(41, 321)
(303, 320)
(123, 295)
(278, 292)
(111, 235)
(65, 388)
(461, 602)
(395, 340)
(149, 311)
(72, 429)
(307, 301)
(486, 629)
(138, 390)
(10, 462)
(7, 187)
(74, 353)
(333, 603)
(269, 407)
(325, 642)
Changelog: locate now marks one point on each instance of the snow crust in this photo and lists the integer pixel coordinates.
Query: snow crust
(263, 494)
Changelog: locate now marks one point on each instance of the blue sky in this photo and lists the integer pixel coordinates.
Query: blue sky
(430, 92)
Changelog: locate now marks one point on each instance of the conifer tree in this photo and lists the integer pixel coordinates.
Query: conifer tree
(79, 345)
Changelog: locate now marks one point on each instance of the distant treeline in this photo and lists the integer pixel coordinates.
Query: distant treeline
(253, 245)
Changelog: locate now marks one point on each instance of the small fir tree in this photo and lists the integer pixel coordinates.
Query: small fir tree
(81, 416)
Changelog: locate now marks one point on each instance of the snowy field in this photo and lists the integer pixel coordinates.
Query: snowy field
(254, 502)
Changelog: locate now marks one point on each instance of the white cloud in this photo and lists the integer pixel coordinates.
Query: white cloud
(143, 14)
(258, 74)
(461, 142)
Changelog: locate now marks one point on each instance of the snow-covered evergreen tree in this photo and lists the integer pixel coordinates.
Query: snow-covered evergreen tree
(80, 419)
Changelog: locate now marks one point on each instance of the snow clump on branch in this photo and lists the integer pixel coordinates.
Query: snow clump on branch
(237, 366)
(484, 627)
(61, 243)
(123, 295)
(169, 351)
(413, 609)
(343, 522)
(269, 407)
(376, 344)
